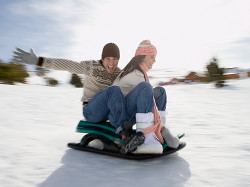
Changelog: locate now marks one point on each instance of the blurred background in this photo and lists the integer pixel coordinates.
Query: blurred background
(187, 34)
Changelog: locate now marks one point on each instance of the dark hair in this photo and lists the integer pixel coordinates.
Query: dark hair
(132, 65)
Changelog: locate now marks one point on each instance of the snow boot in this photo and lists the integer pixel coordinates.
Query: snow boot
(131, 138)
(97, 144)
(151, 144)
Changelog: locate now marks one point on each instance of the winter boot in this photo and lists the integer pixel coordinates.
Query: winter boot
(96, 143)
(131, 138)
(171, 140)
(163, 115)
(151, 144)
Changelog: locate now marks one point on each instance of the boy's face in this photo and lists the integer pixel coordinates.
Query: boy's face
(110, 64)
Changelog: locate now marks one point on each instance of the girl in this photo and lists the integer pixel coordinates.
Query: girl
(145, 105)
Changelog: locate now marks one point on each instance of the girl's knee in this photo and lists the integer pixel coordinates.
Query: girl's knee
(159, 90)
(145, 85)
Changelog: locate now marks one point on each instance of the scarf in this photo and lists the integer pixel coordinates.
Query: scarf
(157, 127)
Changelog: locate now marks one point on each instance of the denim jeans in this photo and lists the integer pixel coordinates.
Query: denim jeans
(107, 104)
(140, 100)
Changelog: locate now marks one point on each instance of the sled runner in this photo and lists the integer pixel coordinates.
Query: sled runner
(112, 142)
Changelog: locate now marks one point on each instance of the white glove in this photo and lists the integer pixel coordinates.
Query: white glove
(171, 140)
(21, 56)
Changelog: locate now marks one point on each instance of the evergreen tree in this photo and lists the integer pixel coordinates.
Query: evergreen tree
(11, 73)
(215, 73)
(76, 81)
(51, 81)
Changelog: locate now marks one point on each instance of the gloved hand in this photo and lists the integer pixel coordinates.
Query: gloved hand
(21, 56)
(171, 140)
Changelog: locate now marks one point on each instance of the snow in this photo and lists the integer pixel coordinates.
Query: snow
(38, 121)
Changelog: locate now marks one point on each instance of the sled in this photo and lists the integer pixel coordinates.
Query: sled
(113, 143)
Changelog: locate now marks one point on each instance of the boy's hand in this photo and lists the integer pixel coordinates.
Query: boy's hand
(21, 56)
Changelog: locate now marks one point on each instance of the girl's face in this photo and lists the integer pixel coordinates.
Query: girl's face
(149, 60)
(110, 64)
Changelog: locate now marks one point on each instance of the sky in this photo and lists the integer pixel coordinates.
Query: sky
(187, 34)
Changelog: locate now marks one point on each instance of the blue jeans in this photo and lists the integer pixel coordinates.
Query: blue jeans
(107, 104)
(140, 100)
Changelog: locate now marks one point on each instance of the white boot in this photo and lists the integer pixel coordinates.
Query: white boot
(170, 139)
(96, 143)
(151, 144)
(163, 115)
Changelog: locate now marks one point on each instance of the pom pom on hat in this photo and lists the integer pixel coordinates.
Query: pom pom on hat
(111, 50)
(146, 48)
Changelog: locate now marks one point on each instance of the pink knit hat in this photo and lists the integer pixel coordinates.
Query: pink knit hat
(146, 48)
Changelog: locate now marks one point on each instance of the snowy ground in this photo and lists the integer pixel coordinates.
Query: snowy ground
(37, 122)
